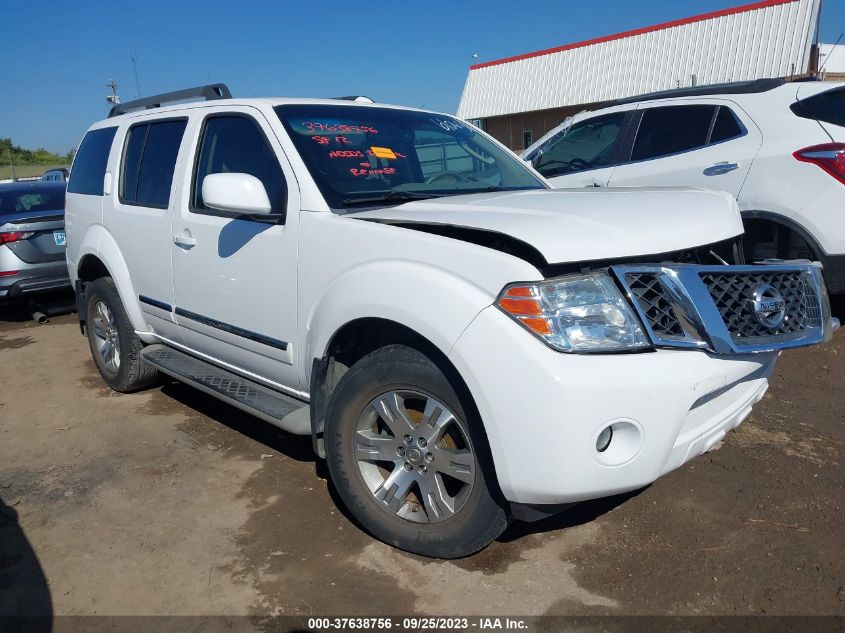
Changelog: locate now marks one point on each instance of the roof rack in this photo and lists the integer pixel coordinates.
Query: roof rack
(735, 88)
(356, 98)
(209, 93)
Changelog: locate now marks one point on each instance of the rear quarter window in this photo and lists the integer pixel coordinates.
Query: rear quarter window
(827, 107)
(725, 127)
(89, 166)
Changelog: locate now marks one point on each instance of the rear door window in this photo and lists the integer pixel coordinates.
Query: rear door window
(149, 161)
(827, 107)
(672, 129)
(586, 145)
(89, 165)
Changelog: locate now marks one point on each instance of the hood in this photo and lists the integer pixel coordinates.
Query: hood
(576, 225)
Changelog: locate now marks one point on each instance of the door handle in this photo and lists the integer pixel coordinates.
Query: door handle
(183, 239)
(720, 168)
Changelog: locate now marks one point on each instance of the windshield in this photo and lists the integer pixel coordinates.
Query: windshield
(361, 155)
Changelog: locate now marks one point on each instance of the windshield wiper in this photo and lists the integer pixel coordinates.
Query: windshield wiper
(391, 196)
(492, 188)
(404, 196)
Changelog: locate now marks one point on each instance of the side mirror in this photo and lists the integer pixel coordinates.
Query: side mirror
(238, 193)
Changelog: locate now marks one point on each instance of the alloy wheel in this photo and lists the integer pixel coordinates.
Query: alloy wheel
(414, 456)
(106, 337)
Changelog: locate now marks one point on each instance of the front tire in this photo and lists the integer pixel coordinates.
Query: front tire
(114, 346)
(405, 459)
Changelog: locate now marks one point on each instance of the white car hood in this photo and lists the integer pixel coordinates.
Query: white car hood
(584, 224)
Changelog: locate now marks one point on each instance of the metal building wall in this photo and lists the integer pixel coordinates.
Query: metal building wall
(832, 61)
(771, 38)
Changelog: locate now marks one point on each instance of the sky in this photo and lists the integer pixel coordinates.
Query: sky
(57, 56)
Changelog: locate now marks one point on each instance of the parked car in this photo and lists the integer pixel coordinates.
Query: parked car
(55, 175)
(463, 344)
(778, 146)
(32, 238)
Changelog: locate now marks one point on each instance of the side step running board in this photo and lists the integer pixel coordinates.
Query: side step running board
(269, 405)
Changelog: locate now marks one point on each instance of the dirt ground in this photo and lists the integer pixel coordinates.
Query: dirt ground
(169, 502)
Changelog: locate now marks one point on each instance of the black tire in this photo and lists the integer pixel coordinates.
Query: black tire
(131, 374)
(482, 516)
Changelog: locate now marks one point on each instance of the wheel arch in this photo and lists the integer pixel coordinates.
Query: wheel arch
(100, 256)
(381, 303)
(359, 337)
(787, 223)
(90, 268)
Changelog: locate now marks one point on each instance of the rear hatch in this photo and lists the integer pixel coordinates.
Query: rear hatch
(32, 221)
(825, 106)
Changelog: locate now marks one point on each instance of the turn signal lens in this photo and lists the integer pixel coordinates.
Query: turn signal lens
(520, 291)
(576, 313)
(538, 326)
(527, 307)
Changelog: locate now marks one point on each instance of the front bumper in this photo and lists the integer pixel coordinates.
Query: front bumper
(543, 410)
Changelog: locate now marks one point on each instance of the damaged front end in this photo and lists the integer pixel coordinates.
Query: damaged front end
(703, 298)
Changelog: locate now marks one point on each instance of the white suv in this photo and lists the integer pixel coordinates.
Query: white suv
(778, 146)
(464, 344)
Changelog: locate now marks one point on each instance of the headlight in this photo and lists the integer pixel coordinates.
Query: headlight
(576, 313)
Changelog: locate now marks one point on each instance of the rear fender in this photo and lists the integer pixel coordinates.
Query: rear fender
(101, 244)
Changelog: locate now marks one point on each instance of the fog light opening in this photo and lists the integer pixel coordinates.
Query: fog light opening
(604, 439)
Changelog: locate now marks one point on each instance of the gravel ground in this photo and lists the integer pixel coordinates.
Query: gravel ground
(169, 502)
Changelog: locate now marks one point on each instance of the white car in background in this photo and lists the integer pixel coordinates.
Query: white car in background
(777, 146)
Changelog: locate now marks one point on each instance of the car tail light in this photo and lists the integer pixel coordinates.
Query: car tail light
(14, 236)
(829, 156)
(8, 273)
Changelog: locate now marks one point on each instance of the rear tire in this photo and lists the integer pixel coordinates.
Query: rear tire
(405, 458)
(114, 346)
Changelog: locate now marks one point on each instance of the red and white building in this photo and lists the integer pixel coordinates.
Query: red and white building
(518, 99)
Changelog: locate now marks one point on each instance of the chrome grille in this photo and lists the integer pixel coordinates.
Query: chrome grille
(733, 295)
(657, 309)
(729, 309)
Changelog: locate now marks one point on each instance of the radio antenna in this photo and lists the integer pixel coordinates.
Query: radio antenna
(134, 58)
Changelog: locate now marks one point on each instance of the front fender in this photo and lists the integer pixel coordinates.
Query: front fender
(98, 242)
(436, 303)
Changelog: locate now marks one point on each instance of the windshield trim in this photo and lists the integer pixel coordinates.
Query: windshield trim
(354, 205)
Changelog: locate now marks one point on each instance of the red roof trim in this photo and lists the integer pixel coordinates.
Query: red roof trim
(763, 4)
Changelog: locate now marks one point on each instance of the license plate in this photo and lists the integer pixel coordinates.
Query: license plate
(59, 237)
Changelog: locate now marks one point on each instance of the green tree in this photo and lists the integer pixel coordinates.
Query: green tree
(22, 156)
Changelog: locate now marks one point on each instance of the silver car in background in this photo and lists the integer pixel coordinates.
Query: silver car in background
(32, 238)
